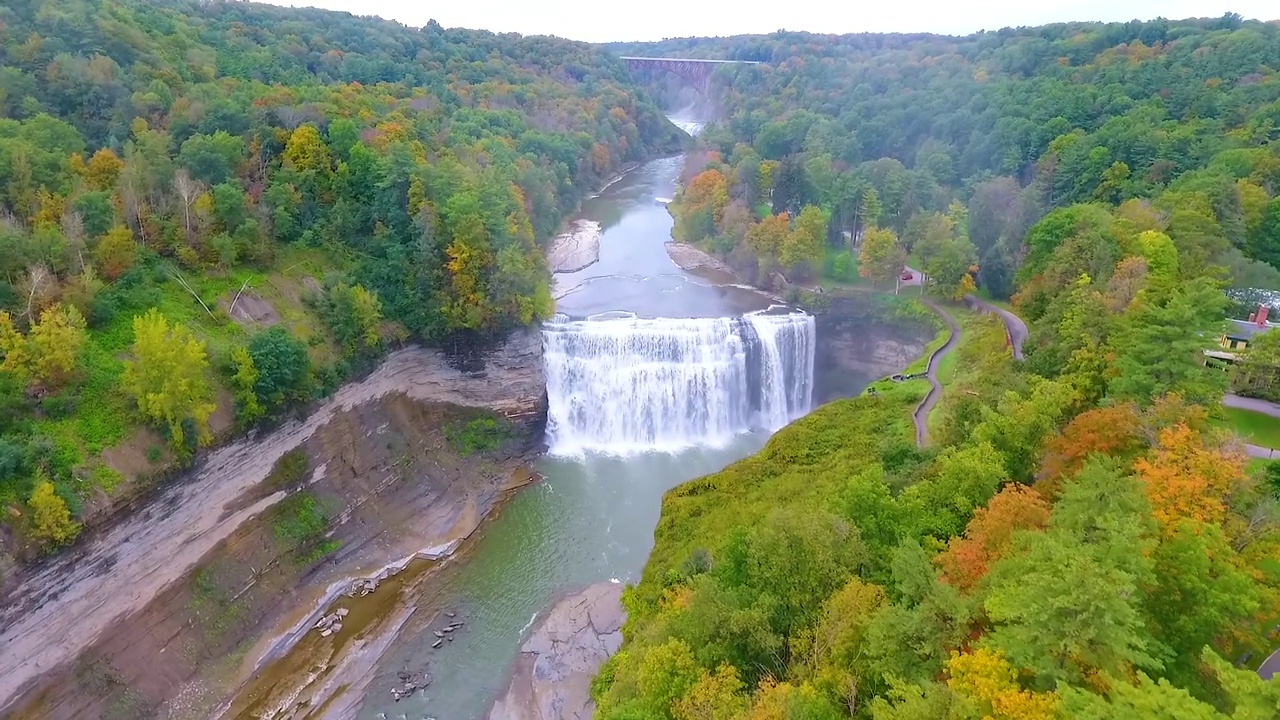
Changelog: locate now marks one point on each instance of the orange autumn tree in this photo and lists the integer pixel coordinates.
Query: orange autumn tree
(989, 535)
(1114, 431)
(1186, 479)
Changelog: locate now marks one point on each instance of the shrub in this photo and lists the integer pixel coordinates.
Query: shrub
(481, 435)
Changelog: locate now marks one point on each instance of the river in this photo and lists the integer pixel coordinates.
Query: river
(592, 517)
(655, 376)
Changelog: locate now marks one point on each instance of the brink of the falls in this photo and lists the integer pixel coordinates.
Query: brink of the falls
(622, 384)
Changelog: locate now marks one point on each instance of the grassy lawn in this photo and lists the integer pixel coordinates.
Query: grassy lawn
(1254, 427)
(985, 294)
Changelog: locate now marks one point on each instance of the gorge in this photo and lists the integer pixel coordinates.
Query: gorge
(650, 376)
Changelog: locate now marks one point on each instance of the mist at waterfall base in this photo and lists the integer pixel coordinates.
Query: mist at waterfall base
(625, 385)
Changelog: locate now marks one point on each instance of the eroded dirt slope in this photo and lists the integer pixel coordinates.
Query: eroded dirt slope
(152, 616)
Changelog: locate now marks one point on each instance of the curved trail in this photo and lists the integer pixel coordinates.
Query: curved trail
(921, 415)
(1014, 325)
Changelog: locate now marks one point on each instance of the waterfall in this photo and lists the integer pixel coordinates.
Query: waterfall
(621, 384)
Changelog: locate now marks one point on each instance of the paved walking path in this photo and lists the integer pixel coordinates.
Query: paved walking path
(921, 415)
(1013, 324)
(1259, 406)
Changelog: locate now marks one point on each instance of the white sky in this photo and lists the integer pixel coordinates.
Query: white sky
(606, 20)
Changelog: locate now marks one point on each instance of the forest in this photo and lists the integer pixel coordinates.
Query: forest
(958, 145)
(1083, 537)
(212, 212)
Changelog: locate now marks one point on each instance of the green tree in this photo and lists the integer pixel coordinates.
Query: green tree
(960, 481)
(1203, 596)
(282, 366)
(95, 211)
(211, 158)
(1061, 612)
(910, 639)
(667, 673)
(949, 265)
(1258, 372)
(1264, 244)
(355, 316)
(168, 379)
(1161, 348)
(1020, 423)
(869, 210)
(1068, 603)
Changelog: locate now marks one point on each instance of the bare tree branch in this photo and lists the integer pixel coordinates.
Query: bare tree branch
(185, 286)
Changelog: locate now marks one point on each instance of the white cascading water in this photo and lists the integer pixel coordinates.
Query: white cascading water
(620, 384)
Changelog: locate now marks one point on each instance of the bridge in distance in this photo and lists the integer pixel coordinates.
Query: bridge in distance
(695, 71)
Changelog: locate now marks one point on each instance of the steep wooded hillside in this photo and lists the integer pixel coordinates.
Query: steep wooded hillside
(212, 211)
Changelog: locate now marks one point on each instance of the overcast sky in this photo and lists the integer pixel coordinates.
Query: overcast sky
(605, 20)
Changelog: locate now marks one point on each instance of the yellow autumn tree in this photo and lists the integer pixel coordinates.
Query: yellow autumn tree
(55, 344)
(116, 252)
(14, 358)
(306, 151)
(169, 379)
(984, 681)
(767, 237)
(803, 247)
(51, 521)
(244, 381)
(715, 696)
(832, 653)
(101, 170)
(778, 701)
(50, 352)
(702, 206)
(881, 258)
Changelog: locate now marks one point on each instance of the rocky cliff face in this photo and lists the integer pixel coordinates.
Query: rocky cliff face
(857, 345)
(152, 616)
(552, 679)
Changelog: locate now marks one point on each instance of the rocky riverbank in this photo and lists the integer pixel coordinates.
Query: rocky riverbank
(576, 248)
(691, 258)
(163, 613)
(552, 679)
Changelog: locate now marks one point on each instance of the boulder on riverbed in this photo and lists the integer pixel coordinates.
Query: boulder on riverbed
(552, 679)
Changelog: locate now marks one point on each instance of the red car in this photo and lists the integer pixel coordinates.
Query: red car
(907, 276)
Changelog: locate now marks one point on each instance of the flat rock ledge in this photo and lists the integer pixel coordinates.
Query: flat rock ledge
(689, 257)
(576, 248)
(552, 679)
